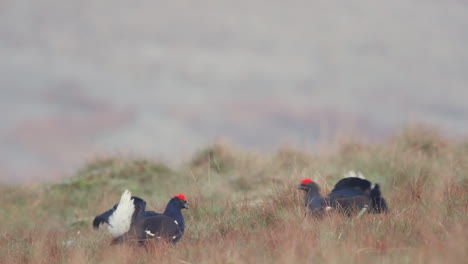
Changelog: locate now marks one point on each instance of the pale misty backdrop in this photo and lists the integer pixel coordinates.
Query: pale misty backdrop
(84, 79)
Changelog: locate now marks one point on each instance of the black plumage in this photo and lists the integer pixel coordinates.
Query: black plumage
(170, 226)
(349, 196)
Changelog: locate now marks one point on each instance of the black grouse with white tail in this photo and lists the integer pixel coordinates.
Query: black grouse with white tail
(128, 221)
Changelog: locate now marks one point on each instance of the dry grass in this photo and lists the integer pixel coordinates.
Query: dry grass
(245, 208)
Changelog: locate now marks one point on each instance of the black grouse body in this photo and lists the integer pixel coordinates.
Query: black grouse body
(349, 196)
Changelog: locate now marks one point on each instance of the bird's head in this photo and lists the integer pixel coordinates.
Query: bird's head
(180, 201)
(308, 185)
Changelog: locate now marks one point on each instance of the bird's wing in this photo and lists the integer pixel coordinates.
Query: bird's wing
(151, 213)
(351, 204)
(352, 186)
(346, 193)
(160, 227)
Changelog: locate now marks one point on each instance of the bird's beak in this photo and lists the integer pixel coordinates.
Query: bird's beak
(185, 205)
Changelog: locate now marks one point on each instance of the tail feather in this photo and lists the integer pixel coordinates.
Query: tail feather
(353, 174)
(378, 204)
(121, 219)
(103, 218)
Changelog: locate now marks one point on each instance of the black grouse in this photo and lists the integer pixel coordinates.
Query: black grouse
(130, 222)
(350, 195)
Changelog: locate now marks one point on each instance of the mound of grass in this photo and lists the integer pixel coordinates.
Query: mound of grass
(117, 174)
(218, 157)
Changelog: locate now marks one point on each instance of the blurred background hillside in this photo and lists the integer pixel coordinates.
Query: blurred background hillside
(162, 79)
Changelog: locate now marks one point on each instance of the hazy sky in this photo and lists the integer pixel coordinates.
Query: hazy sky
(83, 79)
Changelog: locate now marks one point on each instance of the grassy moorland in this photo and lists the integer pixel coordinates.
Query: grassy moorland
(245, 207)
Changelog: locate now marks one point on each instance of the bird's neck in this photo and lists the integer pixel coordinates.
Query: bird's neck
(314, 199)
(175, 212)
(313, 193)
(137, 215)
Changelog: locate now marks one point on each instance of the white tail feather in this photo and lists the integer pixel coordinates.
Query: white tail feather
(352, 173)
(121, 219)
